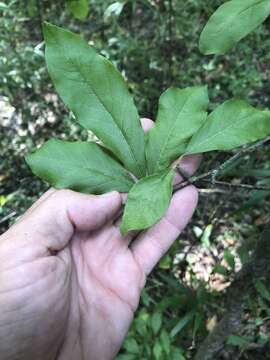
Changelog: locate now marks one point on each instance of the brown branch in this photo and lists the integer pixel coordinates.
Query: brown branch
(214, 173)
(239, 186)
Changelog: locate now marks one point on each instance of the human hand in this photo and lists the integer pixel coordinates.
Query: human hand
(69, 282)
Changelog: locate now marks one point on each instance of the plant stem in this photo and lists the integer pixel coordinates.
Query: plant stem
(214, 173)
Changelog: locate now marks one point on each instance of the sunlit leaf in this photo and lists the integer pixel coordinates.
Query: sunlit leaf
(231, 22)
(232, 124)
(147, 201)
(181, 113)
(97, 95)
(79, 166)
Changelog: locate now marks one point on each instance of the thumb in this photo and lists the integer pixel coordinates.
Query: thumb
(53, 221)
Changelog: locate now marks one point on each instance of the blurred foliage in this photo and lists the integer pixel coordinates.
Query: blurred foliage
(155, 45)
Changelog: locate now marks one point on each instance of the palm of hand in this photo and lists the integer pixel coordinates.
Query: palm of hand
(82, 297)
(69, 282)
(106, 285)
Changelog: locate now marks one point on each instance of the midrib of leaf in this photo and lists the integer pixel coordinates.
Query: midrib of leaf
(170, 133)
(89, 85)
(235, 15)
(250, 6)
(221, 131)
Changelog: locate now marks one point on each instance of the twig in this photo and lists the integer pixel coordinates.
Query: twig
(7, 217)
(239, 186)
(212, 191)
(214, 173)
(244, 150)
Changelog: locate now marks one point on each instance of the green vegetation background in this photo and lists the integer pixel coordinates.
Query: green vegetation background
(155, 45)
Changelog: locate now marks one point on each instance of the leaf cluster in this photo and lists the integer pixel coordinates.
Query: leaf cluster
(124, 158)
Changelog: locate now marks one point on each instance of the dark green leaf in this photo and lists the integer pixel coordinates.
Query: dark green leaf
(126, 357)
(147, 201)
(262, 290)
(165, 262)
(181, 113)
(79, 166)
(198, 322)
(156, 322)
(79, 8)
(231, 22)
(131, 346)
(239, 341)
(177, 354)
(182, 323)
(232, 124)
(165, 341)
(243, 253)
(220, 269)
(229, 258)
(256, 198)
(97, 95)
(157, 351)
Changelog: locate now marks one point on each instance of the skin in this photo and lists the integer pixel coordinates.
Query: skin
(69, 282)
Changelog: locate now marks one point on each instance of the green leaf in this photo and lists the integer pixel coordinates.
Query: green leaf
(157, 351)
(156, 322)
(205, 239)
(181, 113)
(79, 8)
(220, 269)
(262, 290)
(114, 9)
(229, 258)
(238, 341)
(230, 23)
(165, 341)
(131, 346)
(177, 354)
(147, 201)
(182, 323)
(165, 262)
(243, 253)
(79, 166)
(232, 124)
(97, 95)
(198, 323)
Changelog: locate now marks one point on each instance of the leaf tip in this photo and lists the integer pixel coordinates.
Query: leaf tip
(27, 159)
(47, 29)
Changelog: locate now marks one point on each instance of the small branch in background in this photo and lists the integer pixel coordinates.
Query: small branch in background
(242, 287)
(239, 186)
(194, 180)
(246, 149)
(8, 217)
(212, 191)
(214, 173)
